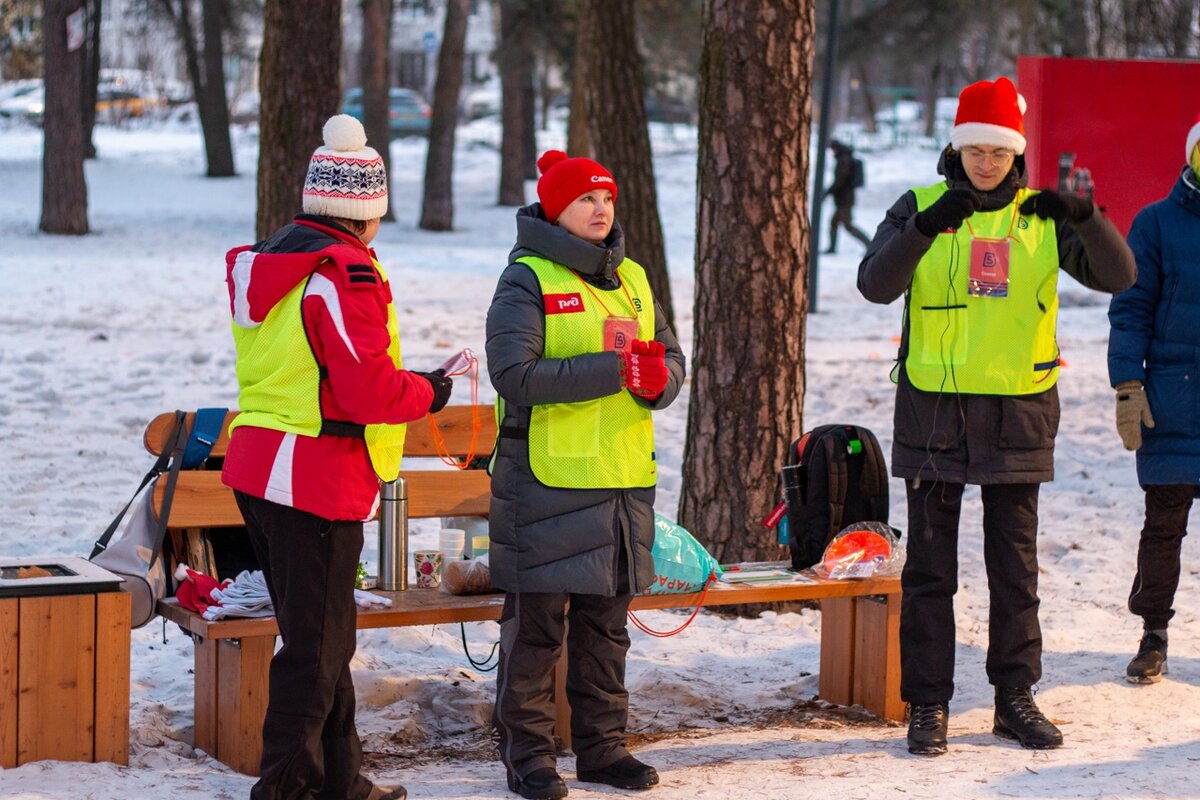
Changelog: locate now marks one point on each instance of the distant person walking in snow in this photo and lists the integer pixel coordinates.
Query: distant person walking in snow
(1153, 358)
(323, 399)
(847, 178)
(976, 257)
(580, 355)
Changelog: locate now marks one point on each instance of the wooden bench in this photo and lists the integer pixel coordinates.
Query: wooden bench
(860, 620)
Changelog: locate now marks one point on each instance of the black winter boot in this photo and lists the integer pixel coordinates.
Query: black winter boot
(1018, 717)
(541, 784)
(1150, 663)
(624, 773)
(927, 724)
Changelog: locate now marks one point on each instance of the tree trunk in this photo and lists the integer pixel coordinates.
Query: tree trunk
(437, 207)
(516, 112)
(91, 77)
(208, 80)
(377, 81)
(751, 269)
(212, 102)
(64, 191)
(299, 65)
(614, 89)
(579, 139)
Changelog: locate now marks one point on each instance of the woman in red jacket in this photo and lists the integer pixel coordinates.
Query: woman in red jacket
(323, 400)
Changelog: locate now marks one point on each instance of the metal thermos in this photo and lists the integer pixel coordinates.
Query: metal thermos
(393, 536)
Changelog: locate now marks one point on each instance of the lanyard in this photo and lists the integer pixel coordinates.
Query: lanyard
(603, 305)
(1011, 224)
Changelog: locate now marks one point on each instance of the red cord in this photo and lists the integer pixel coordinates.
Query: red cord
(641, 626)
(439, 444)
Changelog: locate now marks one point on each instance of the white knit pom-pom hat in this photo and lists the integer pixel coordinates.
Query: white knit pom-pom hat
(1190, 143)
(345, 177)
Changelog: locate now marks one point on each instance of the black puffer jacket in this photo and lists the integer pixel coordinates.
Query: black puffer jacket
(546, 539)
(980, 439)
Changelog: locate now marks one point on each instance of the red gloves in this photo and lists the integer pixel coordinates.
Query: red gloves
(644, 369)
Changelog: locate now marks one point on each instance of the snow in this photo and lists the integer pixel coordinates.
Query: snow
(100, 333)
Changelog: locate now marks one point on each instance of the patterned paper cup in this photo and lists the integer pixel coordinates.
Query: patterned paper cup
(428, 564)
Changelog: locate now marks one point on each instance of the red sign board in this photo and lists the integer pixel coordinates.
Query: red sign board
(1124, 121)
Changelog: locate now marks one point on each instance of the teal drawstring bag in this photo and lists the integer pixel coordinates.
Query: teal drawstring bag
(681, 564)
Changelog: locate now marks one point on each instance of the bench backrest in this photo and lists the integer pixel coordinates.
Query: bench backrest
(202, 501)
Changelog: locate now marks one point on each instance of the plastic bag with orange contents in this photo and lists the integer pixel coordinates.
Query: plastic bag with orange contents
(862, 550)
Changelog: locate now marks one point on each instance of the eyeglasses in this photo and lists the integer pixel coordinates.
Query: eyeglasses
(999, 156)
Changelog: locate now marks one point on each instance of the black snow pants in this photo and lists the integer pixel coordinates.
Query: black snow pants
(532, 628)
(930, 580)
(1157, 577)
(311, 748)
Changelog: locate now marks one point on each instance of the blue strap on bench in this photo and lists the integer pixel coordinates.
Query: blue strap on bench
(206, 429)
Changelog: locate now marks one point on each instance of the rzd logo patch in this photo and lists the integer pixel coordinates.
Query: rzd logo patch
(563, 303)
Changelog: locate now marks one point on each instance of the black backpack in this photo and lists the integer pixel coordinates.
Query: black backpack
(833, 476)
(858, 173)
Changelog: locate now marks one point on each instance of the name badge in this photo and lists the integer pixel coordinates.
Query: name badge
(619, 333)
(989, 268)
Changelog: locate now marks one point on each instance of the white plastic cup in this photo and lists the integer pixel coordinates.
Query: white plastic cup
(452, 542)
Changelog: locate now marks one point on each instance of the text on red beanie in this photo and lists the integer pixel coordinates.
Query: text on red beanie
(564, 179)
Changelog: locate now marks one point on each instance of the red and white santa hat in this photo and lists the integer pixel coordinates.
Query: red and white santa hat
(990, 113)
(1192, 138)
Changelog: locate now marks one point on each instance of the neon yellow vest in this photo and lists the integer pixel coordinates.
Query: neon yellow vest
(606, 443)
(968, 344)
(280, 381)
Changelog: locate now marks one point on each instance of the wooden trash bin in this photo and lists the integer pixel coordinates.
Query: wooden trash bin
(64, 666)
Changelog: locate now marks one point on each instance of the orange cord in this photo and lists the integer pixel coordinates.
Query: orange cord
(641, 626)
(439, 443)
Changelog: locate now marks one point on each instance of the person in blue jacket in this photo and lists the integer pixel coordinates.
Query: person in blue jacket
(1154, 365)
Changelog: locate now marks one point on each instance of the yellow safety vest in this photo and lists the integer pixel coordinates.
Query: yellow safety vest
(280, 381)
(975, 343)
(604, 443)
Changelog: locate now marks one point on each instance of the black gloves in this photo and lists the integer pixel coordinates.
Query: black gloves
(1049, 204)
(441, 389)
(948, 211)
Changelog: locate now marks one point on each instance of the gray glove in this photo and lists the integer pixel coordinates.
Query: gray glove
(1133, 411)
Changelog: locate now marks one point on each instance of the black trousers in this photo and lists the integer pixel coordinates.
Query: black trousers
(841, 216)
(930, 580)
(1157, 577)
(311, 748)
(532, 628)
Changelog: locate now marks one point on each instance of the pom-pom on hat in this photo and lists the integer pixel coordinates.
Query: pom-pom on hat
(990, 113)
(345, 177)
(1192, 138)
(564, 179)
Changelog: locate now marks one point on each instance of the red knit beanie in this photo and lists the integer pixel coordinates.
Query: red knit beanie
(565, 179)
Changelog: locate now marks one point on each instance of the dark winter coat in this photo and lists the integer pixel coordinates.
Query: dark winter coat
(842, 188)
(979, 439)
(546, 539)
(1155, 335)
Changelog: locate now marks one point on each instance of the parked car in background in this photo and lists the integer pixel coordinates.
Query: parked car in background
(114, 105)
(664, 108)
(408, 113)
(23, 100)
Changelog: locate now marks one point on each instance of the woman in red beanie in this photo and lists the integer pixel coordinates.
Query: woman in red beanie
(580, 356)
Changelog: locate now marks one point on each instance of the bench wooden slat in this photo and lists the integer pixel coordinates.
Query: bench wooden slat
(432, 606)
(454, 422)
(202, 501)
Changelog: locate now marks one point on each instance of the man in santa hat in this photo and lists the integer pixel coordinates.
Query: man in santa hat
(976, 257)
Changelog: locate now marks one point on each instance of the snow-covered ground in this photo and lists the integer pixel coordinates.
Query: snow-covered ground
(100, 333)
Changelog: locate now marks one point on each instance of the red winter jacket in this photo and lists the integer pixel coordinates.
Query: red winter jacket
(345, 321)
